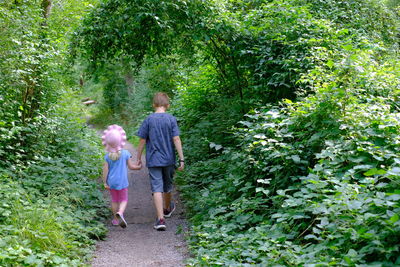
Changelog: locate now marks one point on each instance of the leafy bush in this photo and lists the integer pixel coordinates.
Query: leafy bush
(312, 182)
(312, 195)
(308, 181)
(53, 207)
(37, 230)
(124, 93)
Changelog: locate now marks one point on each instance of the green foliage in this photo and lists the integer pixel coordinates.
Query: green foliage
(131, 29)
(258, 50)
(311, 182)
(371, 19)
(204, 114)
(51, 207)
(289, 118)
(124, 94)
(52, 204)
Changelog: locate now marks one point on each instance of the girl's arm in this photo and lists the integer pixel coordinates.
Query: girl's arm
(133, 166)
(105, 174)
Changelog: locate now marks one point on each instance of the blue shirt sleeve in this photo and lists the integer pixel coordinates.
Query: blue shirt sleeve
(127, 155)
(143, 131)
(175, 128)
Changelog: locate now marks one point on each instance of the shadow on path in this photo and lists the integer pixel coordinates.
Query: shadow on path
(139, 244)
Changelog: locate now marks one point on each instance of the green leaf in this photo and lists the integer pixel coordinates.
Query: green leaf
(215, 146)
(374, 171)
(394, 171)
(348, 260)
(32, 260)
(394, 218)
(296, 158)
(260, 189)
(347, 47)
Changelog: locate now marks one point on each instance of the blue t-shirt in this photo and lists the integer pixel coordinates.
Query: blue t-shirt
(117, 177)
(159, 129)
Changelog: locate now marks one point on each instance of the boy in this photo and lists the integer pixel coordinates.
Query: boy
(160, 132)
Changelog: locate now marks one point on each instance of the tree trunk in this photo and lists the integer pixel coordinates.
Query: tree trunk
(46, 6)
(32, 96)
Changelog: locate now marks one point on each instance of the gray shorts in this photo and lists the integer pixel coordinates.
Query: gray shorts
(161, 178)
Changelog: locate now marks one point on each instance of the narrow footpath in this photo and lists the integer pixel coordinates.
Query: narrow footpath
(139, 244)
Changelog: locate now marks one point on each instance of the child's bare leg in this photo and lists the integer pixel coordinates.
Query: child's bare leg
(114, 208)
(167, 200)
(158, 202)
(122, 206)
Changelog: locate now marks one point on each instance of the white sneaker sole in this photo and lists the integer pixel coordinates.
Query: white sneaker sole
(170, 213)
(160, 227)
(122, 221)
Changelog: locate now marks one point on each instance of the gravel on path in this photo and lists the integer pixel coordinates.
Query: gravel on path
(139, 244)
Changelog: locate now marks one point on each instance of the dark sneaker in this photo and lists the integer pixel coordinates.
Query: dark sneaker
(160, 225)
(168, 212)
(121, 219)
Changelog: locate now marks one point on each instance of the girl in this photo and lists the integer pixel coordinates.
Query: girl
(115, 174)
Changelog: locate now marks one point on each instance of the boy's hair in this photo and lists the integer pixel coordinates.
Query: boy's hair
(161, 100)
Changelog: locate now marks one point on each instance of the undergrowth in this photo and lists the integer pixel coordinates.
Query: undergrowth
(303, 188)
(52, 209)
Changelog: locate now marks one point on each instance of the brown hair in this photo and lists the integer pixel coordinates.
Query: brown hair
(160, 100)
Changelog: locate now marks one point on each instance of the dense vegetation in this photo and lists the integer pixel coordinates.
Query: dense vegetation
(51, 205)
(288, 110)
(289, 114)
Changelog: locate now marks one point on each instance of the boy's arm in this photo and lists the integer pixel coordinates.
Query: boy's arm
(178, 146)
(105, 173)
(133, 166)
(140, 148)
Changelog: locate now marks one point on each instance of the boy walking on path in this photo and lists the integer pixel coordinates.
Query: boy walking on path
(160, 133)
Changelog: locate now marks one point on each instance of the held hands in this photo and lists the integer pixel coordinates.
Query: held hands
(138, 165)
(106, 186)
(134, 166)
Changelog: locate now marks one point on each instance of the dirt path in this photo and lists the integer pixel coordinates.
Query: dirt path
(139, 244)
